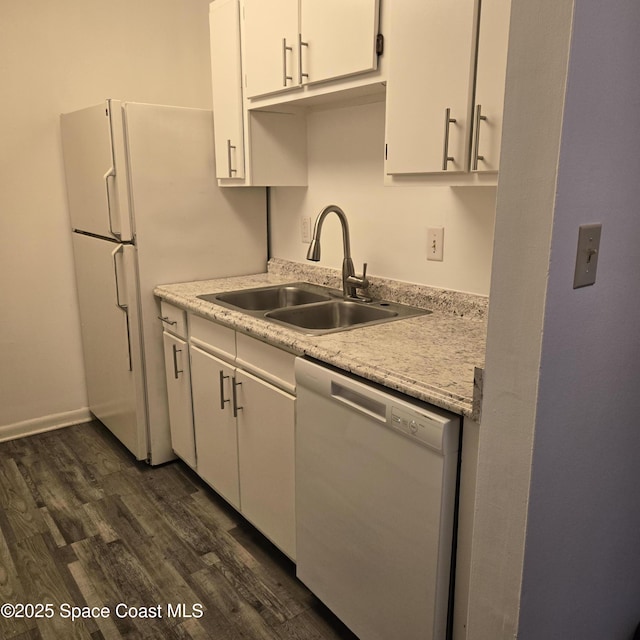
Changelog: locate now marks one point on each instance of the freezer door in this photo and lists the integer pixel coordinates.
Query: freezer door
(95, 170)
(106, 283)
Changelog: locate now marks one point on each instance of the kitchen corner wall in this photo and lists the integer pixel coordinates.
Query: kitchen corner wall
(57, 57)
(388, 224)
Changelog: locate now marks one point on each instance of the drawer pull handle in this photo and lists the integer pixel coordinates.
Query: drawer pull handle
(222, 400)
(167, 320)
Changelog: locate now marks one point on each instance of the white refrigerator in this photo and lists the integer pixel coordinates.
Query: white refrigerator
(145, 209)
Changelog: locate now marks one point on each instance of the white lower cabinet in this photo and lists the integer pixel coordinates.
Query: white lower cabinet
(266, 424)
(176, 364)
(239, 411)
(214, 424)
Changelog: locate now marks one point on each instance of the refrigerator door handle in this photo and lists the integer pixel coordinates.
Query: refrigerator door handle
(120, 305)
(110, 174)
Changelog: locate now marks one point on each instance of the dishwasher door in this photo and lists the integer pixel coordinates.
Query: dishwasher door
(376, 479)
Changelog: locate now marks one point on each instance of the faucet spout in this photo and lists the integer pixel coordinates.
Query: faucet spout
(349, 279)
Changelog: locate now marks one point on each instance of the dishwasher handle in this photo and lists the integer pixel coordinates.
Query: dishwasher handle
(359, 401)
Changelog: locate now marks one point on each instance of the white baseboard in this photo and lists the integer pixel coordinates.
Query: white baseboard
(46, 423)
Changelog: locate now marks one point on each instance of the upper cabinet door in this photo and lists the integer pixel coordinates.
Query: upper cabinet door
(271, 39)
(226, 76)
(430, 85)
(493, 41)
(337, 38)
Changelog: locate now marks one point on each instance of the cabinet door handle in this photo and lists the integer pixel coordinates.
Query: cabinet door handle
(176, 351)
(476, 138)
(229, 162)
(234, 387)
(446, 158)
(301, 44)
(222, 400)
(285, 48)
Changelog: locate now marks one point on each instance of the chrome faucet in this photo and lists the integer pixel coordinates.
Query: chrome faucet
(350, 281)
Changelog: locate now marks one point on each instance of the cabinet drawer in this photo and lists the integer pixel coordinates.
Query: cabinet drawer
(266, 361)
(212, 337)
(173, 319)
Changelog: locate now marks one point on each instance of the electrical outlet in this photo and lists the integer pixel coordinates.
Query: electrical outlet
(305, 229)
(435, 239)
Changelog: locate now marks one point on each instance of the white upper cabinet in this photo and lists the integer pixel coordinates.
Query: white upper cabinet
(445, 87)
(251, 148)
(493, 40)
(226, 76)
(430, 86)
(271, 35)
(292, 43)
(338, 38)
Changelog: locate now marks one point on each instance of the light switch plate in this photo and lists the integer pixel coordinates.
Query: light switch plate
(587, 256)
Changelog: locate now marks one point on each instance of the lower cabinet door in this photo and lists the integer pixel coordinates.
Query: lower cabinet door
(266, 424)
(176, 363)
(215, 424)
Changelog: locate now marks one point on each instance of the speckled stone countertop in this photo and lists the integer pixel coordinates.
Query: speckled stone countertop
(437, 358)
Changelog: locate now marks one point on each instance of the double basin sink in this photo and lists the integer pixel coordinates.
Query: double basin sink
(311, 308)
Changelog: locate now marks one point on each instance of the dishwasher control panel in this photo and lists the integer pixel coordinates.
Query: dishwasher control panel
(426, 429)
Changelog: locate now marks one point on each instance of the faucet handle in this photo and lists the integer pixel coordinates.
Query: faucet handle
(363, 278)
(360, 282)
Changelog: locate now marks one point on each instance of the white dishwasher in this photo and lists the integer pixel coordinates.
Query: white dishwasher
(376, 481)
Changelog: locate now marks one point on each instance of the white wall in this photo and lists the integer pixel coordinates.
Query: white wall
(388, 224)
(558, 515)
(57, 57)
(582, 560)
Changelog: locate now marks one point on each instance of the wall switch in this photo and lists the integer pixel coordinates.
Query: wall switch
(587, 256)
(435, 239)
(305, 229)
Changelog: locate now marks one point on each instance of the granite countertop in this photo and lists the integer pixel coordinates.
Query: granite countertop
(437, 357)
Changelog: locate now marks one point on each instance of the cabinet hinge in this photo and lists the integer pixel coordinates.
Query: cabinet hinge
(379, 44)
(386, 149)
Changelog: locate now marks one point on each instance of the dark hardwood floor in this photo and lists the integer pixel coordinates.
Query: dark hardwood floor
(82, 524)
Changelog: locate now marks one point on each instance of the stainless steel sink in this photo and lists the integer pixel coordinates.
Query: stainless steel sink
(310, 308)
(336, 314)
(273, 297)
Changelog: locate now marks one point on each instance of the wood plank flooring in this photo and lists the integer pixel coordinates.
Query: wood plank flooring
(82, 524)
